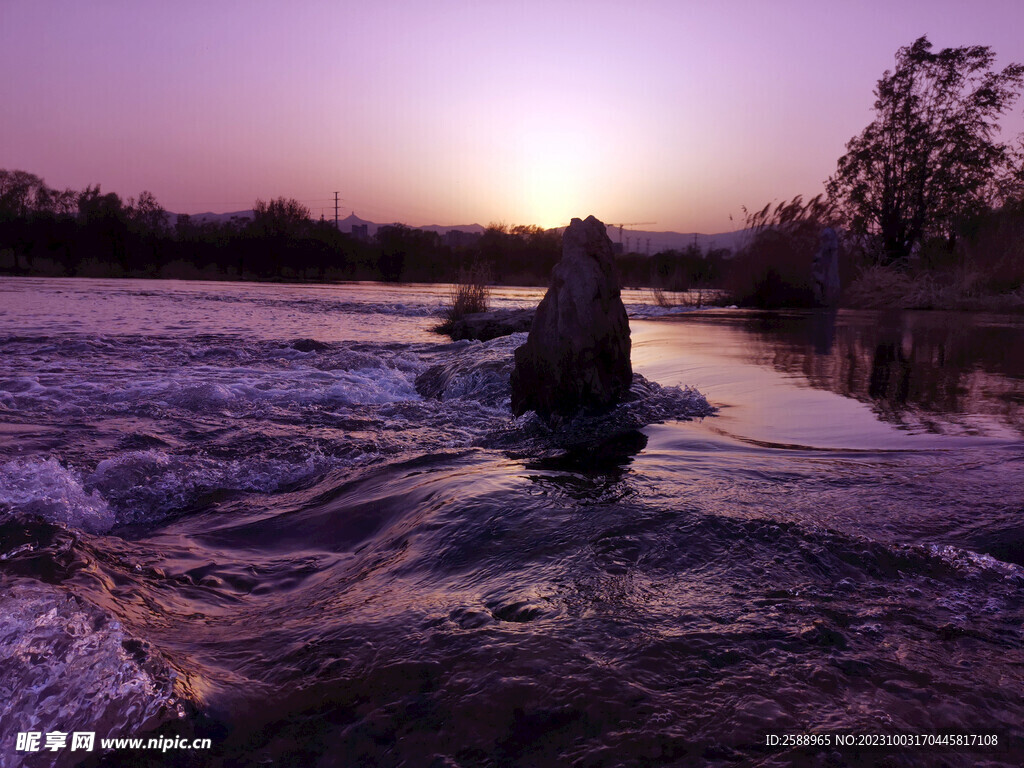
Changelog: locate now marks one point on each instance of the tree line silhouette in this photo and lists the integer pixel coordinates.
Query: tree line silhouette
(87, 233)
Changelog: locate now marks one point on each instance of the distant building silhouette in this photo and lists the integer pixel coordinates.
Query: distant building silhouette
(361, 232)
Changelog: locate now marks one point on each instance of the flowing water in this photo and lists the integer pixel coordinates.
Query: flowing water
(294, 521)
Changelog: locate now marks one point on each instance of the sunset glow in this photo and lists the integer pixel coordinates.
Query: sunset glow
(453, 113)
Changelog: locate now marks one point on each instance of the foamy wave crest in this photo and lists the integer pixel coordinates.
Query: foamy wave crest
(236, 390)
(369, 386)
(477, 371)
(47, 489)
(646, 311)
(967, 560)
(208, 376)
(142, 485)
(70, 667)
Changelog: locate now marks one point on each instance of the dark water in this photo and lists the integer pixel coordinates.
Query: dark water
(228, 511)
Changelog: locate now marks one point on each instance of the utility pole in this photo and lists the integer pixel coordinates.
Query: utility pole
(336, 209)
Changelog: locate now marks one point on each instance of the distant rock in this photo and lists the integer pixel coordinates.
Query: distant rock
(310, 345)
(825, 271)
(484, 326)
(576, 357)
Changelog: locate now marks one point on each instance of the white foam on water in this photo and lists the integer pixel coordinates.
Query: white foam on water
(147, 484)
(200, 396)
(49, 490)
(141, 485)
(351, 379)
(966, 559)
(18, 391)
(643, 311)
(65, 668)
(370, 386)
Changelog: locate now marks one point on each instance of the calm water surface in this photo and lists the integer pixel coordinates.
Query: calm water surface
(239, 511)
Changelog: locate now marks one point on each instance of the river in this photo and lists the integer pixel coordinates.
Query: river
(228, 512)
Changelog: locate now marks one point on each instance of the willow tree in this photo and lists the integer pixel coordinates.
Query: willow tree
(931, 156)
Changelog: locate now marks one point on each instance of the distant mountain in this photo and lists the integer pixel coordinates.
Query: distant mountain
(346, 224)
(641, 241)
(219, 218)
(475, 228)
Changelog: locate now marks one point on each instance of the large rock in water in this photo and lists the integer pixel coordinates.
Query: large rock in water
(577, 354)
(485, 326)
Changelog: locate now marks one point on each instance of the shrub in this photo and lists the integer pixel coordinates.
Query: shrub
(963, 288)
(982, 269)
(467, 296)
(994, 245)
(774, 268)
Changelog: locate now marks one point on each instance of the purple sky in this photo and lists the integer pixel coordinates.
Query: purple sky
(675, 112)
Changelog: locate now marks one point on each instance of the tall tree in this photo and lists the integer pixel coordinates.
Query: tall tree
(19, 192)
(146, 214)
(281, 217)
(930, 156)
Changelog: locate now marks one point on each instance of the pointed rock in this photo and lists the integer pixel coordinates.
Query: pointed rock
(577, 354)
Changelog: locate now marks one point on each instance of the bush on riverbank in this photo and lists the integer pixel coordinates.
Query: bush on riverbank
(889, 287)
(773, 269)
(980, 268)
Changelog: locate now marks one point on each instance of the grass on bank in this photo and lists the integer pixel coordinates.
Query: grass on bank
(696, 298)
(982, 269)
(961, 288)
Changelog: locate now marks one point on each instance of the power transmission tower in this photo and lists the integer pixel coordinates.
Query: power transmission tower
(336, 209)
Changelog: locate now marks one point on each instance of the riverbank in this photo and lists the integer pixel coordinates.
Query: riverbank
(962, 290)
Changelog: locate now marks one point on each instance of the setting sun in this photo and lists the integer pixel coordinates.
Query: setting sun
(557, 173)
